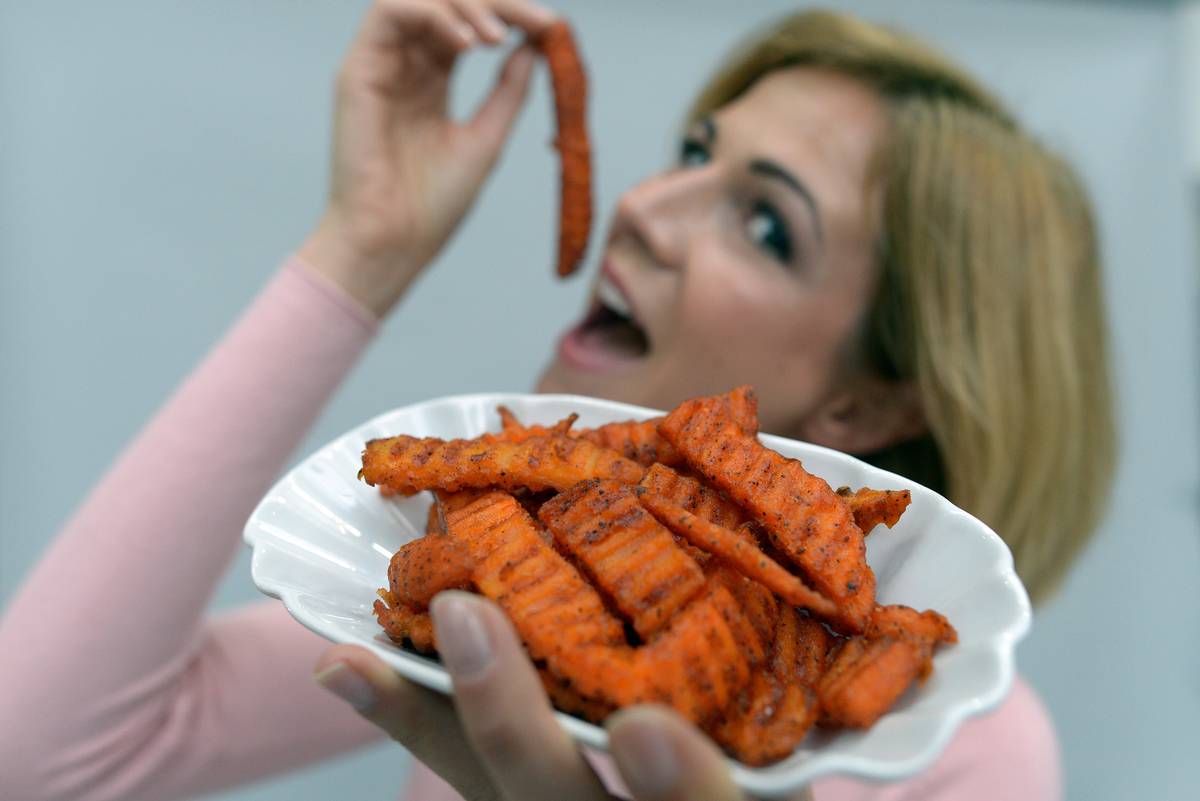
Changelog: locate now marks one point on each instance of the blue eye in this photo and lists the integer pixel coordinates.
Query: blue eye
(692, 153)
(767, 230)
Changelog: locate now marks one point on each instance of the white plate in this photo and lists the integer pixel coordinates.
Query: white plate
(322, 540)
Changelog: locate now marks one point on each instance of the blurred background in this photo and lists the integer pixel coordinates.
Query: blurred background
(159, 159)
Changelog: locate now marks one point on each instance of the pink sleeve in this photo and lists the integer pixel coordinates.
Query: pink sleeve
(122, 688)
(1010, 754)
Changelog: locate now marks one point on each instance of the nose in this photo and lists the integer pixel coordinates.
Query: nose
(663, 213)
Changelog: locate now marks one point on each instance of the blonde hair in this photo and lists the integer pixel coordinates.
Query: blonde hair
(989, 298)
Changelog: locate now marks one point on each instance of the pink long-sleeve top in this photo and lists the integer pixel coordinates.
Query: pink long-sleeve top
(115, 684)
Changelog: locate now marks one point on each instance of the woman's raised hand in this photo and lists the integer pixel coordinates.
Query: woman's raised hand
(404, 173)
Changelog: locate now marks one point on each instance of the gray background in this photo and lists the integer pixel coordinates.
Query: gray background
(158, 159)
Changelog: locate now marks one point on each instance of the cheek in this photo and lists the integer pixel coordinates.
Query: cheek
(774, 332)
(740, 314)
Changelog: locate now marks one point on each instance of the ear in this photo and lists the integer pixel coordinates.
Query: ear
(867, 415)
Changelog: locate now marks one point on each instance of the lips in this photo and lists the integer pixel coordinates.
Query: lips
(610, 335)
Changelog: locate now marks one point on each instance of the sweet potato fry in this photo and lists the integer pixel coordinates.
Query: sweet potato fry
(404, 623)
(424, 567)
(634, 439)
(552, 607)
(804, 518)
(566, 699)
(758, 605)
(904, 622)
(743, 556)
(801, 651)
(513, 430)
(866, 678)
(625, 551)
(693, 495)
(697, 665)
(774, 713)
(871, 507)
(408, 465)
(570, 103)
(637, 440)
(767, 721)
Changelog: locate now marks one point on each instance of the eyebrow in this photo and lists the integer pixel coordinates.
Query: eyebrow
(769, 169)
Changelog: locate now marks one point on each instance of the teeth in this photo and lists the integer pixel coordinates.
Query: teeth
(611, 297)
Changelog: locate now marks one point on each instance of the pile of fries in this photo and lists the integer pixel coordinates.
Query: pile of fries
(675, 560)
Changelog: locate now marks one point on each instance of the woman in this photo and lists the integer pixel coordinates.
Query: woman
(854, 227)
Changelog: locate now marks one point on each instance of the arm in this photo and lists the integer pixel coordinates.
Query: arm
(121, 688)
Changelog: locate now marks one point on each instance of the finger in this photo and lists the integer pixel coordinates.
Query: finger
(421, 720)
(391, 23)
(499, 111)
(528, 16)
(663, 758)
(482, 20)
(502, 705)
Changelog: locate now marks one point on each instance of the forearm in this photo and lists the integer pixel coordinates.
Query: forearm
(106, 628)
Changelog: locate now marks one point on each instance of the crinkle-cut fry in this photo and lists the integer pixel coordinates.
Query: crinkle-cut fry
(697, 665)
(804, 518)
(700, 663)
(758, 605)
(770, 718)
(403, 623)
(767, 721)
(512, 430)
(425, 566)
(408, 465)
(632, 559)
(801, 650)
(871, 507)
(445, 502)
(743, 556)
(435, 524)
(570, 104)
(867, 677)
(638, 440)
(694, 495)
(566, 699)
(903, 622)
(453, 501)
(552, 607)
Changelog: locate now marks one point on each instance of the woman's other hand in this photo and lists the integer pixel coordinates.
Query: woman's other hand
(404, 173)
(498, 738)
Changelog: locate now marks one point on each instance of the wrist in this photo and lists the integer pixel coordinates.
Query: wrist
(376, 280)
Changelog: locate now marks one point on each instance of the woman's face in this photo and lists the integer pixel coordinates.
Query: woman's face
(750, 262)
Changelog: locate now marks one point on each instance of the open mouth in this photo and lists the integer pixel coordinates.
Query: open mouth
(610, 335)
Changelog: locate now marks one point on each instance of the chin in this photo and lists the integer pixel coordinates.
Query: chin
(560, 379)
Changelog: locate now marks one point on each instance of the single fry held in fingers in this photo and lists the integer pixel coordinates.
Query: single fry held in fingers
(731, 585)
(557, 45)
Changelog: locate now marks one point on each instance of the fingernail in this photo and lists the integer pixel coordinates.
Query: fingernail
(648, 760)
(462, 636)
(346, 683)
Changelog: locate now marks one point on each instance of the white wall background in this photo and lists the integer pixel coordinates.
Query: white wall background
(157, 159)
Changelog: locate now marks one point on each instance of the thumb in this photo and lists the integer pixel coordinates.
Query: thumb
(495, 116)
